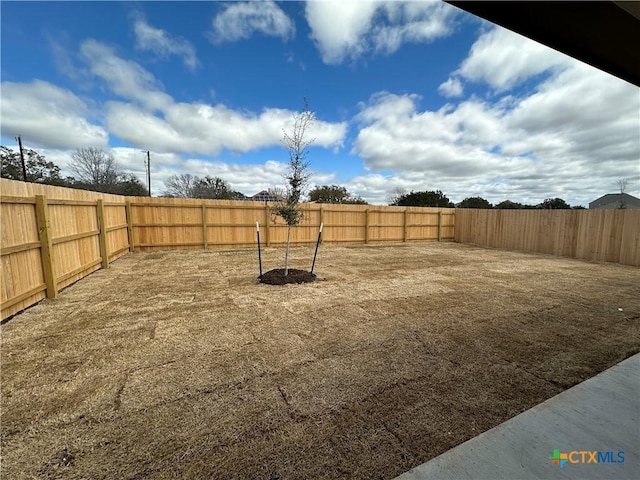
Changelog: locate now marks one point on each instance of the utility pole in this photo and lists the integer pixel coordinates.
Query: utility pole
(149, 171)
(24, 167)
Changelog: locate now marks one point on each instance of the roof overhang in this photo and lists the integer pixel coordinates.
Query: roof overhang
(604, 34)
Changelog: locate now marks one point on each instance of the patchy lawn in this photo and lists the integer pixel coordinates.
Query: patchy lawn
(178, 364)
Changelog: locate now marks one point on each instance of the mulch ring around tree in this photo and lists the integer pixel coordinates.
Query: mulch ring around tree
(277, 276)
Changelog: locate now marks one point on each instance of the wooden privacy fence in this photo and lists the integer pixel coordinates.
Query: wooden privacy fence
(598, 235)
(160, 223)
(54, 236)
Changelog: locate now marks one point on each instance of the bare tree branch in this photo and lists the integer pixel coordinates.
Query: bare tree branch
(622, 184)
(180, 186)
(396, 194)
(94, 167)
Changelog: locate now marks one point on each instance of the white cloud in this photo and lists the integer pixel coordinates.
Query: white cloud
(451, 88)
(396, 135)
(133, 159)
(207, 129)
(47, 115)
(346, 30)
(582, 113)
(61, 158)
(338, 28)
(143, 129)
(150, 118)
(411, 22)
(504, 59)
(64, 60)
(378, 189)
(158, 41)
(124, 78)
(241, 20)
(577, 132)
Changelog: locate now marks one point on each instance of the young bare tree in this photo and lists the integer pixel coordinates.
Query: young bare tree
(297, 146)
(94, 167)
(622, 184)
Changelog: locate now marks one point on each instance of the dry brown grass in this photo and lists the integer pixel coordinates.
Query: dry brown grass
(180, 365)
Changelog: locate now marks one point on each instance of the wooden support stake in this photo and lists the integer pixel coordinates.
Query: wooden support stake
(404, 226)
(266, 225)
(130, 226)
(205, 228)
(46, 247)
(102, 237)
(321, 215)
(440, 226)
(366, 226)
(259, 252)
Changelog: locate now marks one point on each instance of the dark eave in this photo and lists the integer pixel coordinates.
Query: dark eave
(604, 34)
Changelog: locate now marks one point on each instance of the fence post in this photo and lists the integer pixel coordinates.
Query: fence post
(102, 238)
(404, 225)
(366, 226)
(46, 247)
(266, 225)
(205, 227)
(130, 226)
(440, 225)
(454, 225)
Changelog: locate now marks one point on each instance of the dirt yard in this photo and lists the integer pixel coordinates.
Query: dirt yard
(180, 365)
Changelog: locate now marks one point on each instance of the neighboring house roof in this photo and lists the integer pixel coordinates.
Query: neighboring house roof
(266, 196)
(612, 201)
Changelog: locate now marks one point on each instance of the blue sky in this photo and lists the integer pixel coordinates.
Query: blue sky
(407, 95)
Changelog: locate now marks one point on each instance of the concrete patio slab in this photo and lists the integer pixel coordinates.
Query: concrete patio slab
(592, 429)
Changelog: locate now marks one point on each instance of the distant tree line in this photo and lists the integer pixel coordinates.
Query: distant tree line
(423, 199)
(92, 168)
(189, 186)
(547, 204)
(438, 199)
(334, 194)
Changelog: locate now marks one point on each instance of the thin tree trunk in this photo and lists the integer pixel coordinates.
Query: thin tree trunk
(286, 255)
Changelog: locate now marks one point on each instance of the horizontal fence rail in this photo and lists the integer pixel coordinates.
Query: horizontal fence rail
(54, 236)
